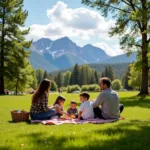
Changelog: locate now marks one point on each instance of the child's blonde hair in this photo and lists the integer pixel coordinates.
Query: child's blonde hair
(73, 102)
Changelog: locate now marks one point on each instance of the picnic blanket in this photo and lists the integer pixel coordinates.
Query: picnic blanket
(73, 121)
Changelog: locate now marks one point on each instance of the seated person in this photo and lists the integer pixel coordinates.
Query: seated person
(73, 111)
(58, 106)
(39, 108)
(108, 100)
(86, 108)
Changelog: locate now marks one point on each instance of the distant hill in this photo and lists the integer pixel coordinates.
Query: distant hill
(121, 59)
(118, 68)
(94, 54)
(64, 53)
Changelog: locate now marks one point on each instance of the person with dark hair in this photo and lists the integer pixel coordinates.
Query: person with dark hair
(58, 105)
(39, 109)
(72, 110)
(86, 108)
(109, 101)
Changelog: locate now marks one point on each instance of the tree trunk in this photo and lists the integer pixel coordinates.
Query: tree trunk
(145, 69)
(16, 91)
(2, 56)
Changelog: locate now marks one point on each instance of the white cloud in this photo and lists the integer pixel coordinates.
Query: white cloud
(80, 23)
(80, 18)
(112, 51)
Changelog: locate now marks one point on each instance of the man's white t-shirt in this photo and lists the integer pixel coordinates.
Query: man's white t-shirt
(87, 110)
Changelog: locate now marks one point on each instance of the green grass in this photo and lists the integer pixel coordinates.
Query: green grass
(131, 133)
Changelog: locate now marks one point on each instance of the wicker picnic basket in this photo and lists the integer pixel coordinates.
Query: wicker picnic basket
(19, 116)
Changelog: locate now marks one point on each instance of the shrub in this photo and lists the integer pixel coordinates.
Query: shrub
(84, 88)
(116, 84)
(72, 88)
(91, 87)
(53, 86)
(64, 89)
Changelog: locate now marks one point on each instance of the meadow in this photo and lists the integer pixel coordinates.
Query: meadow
(131, 133)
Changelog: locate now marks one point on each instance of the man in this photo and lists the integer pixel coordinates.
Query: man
(109, 101)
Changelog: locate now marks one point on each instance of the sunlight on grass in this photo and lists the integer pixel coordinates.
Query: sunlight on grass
(131, 133)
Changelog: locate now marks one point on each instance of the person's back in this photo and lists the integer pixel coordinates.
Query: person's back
(110, 104)
(108, 100)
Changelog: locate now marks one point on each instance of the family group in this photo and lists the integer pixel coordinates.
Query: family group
(106, 105)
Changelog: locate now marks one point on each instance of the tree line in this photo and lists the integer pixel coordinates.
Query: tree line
(81, 78)
(132, 27)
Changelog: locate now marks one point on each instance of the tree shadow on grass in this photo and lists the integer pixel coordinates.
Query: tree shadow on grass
(140, 101)
(129, 135)
(134, 135)
(4, 148)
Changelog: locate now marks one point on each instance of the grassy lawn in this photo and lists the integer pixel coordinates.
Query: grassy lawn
(132, 133)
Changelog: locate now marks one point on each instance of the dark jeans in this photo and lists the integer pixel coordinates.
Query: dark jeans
(81, 118)
(59, 115)
(98, 111)
(43, 115)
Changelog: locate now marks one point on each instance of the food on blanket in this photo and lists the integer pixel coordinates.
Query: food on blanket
(72, 116)
(64, 116)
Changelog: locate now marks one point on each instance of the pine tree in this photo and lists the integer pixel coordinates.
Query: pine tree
(67, 76)
(126, 80)
(106, 72)
(34, 83)
(83, 76)
(102, 75)
(46, 75)
(88, 71)
(39, 75)
(59, 79)
(50, 76)
(111, 73)
(12, 40)
(75, 77)
(93, 79)
(96, 77)
(53, 86)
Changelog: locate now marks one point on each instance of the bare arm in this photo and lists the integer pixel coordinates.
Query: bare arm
(58, 110)
(79, 115)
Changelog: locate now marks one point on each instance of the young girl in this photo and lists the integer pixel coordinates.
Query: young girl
(39, 108)
(58, 106)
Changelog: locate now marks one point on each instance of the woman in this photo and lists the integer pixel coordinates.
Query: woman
(39, 109)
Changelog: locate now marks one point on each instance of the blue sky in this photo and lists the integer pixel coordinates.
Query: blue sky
(37, 9)
(58, 18)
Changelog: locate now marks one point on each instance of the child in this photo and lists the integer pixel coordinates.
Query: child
(86, 108)
(58, 106)
(73, 111)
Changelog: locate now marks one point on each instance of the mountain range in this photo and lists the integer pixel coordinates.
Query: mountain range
(64, 53)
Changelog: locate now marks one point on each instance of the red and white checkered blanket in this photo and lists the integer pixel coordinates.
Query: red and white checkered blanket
(73, 121)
